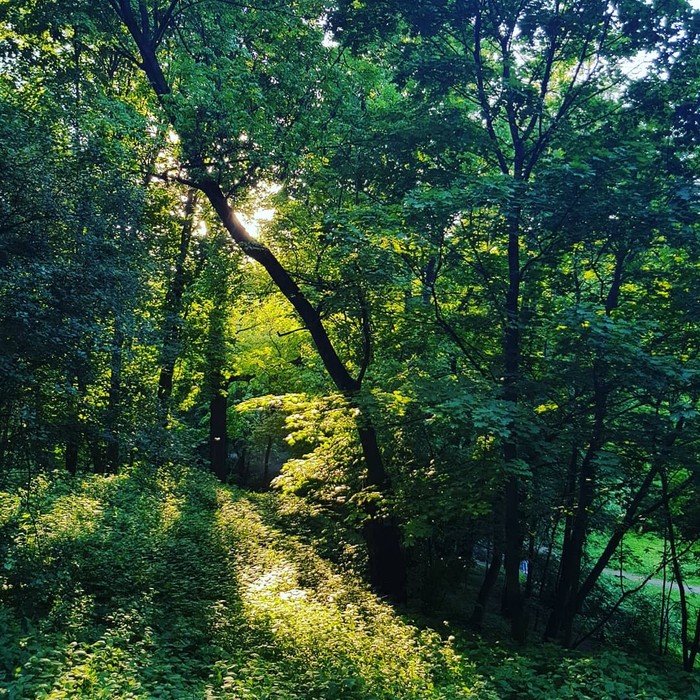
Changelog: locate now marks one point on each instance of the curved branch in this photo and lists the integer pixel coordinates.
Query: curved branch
(283, 281)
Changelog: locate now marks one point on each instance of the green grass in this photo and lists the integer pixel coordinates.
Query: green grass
(641, 554)
(167, 585)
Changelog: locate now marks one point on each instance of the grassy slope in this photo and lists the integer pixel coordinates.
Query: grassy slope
(168, 585)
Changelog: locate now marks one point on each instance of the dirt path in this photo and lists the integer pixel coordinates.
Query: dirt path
(636, 578)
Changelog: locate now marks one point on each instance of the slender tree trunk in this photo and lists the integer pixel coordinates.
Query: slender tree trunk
(487, 585)
(431, 273)
(72, 430)
(695, 645)
(173, 310)
(512, 519)
(242, 466)
(530, 581)
(112, 447)
(72, 450)
(565, 607)
(665, 597)
(383, 536)
(215, 354)
(218, 437)
(97, 454)
(266, 462)
(548, 558)
(678, 575)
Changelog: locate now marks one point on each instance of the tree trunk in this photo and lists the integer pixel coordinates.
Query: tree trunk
(429, 279)
(242, 466)
(548, 558)
(487, 585)
(266, 463)
(387, 565)
(512, 517)
(215, 354)
(72, 449)
(218, 438)
(173, 310)
(688, 660)
(72, 427)
(530, 580)
(112, 448)
(566, 603)
(99, 465)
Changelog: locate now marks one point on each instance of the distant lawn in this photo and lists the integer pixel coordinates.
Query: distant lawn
(641, 554)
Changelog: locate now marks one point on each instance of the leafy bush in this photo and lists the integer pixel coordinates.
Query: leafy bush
(546, 672)
(165, 584)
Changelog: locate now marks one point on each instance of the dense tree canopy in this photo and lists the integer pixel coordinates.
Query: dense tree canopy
(432, 267)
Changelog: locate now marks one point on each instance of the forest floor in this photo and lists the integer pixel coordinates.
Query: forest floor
(164, 584)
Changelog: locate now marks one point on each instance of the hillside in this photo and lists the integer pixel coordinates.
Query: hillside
(166, 584)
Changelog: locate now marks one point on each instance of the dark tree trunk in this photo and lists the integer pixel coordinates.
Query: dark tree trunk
(561, 590)
(99, 465)
(72, 450)
(387, 567)
(431, 273)
(512, 517)
(266, 463)
(565, 605)
(217, 388)
(112, 448)
(173, 310)
(218, 438)
(242, 466)
(513, 603)
(689, 646)
(487, 585)
(530, 580)
(72, 426)
(548, 558)
(387, 564)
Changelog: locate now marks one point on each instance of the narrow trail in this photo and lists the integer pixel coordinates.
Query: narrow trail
(657, 582)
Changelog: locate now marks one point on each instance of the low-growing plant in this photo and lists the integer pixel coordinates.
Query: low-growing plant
(162, 583)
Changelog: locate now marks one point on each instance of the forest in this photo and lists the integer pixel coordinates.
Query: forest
(349, 349)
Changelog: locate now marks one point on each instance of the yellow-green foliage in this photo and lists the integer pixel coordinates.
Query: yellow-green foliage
(165, 584)
(335, 638)
(169, 585)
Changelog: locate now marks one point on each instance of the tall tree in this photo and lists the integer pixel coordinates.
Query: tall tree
(523, 82)
(237, 102)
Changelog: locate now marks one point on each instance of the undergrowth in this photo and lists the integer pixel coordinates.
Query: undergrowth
(164, 584)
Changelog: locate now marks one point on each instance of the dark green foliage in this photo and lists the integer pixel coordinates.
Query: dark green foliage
(546, 673)
(164, 585)
(473, 329)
